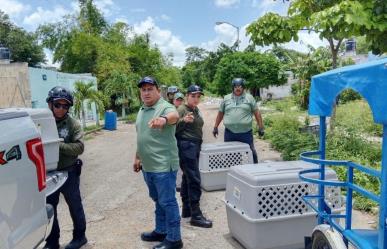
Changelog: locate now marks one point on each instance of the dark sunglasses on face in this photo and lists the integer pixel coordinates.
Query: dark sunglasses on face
(63, 106)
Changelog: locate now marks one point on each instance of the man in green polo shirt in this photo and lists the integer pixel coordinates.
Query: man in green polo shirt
(157, 157)
(237, 110)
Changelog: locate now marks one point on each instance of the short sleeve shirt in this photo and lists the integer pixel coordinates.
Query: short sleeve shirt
(157, 148)
(238, 112)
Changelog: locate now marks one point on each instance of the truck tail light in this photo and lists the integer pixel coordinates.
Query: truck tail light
(36, 155)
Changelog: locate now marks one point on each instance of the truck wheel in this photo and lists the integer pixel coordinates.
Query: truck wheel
(320, 241)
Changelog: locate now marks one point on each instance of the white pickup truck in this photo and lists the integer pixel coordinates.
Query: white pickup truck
(29, 153)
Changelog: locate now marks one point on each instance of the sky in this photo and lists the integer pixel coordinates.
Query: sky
(174, 25)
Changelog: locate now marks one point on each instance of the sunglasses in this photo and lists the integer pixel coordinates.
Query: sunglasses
(63, 106)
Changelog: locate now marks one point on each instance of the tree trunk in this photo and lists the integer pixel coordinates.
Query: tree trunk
(335, 52)
(123, 111)
(83, 117)
(97, 117)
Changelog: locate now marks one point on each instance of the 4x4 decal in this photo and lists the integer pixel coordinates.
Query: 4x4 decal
(13, 154)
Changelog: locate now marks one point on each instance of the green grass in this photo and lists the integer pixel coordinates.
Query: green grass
(131, 118)
(356, 116)
(91, 127)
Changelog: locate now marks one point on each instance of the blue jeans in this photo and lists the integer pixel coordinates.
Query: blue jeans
(72, 196)
(162, 190)
(245, 137)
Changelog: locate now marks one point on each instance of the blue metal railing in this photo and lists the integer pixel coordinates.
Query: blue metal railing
(323, 215)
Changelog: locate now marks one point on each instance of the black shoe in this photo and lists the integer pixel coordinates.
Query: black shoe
(200, 221)
(51, 246)
(153, 236)
(77, 243)
(178, 189)
(166, 244)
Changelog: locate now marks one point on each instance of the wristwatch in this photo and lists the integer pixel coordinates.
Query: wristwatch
(166, 119)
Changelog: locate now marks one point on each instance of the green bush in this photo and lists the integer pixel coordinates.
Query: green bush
(283, 133)
(282, 130)
(348, 95)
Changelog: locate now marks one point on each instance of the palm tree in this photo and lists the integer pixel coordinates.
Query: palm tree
(83, 92)
(100, 100)
(119, 84)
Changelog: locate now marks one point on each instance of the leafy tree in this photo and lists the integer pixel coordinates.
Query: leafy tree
(101, 101)
(259, 70)
(333, 20)
(91, 19)
(195, 54)
(23, 45)
(121, 86)
(84, 93)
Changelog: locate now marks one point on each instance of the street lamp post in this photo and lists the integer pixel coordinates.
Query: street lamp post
(237, 28)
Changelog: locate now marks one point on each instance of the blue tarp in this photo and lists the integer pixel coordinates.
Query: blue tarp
(368, 79)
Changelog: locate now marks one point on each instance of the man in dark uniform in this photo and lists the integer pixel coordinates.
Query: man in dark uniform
(59, 101)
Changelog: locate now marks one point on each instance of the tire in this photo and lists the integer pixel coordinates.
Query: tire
(320, 241)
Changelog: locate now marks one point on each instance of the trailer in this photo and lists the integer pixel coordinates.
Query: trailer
(370, 80)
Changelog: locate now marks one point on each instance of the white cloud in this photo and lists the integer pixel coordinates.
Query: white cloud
(50, 58)
(265, 6)
(121, 19)
(163, 39)
(226, 3)
(228, 35)
(165, 17)
(41, 16)
(13, 7)
(106, 6)
(306, 39)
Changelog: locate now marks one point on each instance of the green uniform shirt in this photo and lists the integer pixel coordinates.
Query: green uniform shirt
(70, 130)
(157, 148)
(238, 112)
(189, 131)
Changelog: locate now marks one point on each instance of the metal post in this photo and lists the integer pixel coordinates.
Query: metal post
(348, 210)
(321, 192)
(382, 243)
(237, 38)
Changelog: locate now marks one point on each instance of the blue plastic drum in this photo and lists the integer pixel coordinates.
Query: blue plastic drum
(110, 121)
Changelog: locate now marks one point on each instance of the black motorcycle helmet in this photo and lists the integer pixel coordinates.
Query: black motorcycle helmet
(238, 82)
(172, 89)
(60, 92)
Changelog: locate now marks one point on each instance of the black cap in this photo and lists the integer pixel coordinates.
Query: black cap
(238, 82)
(194, 89)
(147, 80)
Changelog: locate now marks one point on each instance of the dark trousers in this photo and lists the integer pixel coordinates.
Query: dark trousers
(245, 137)
(72, 195)
(189, 163)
